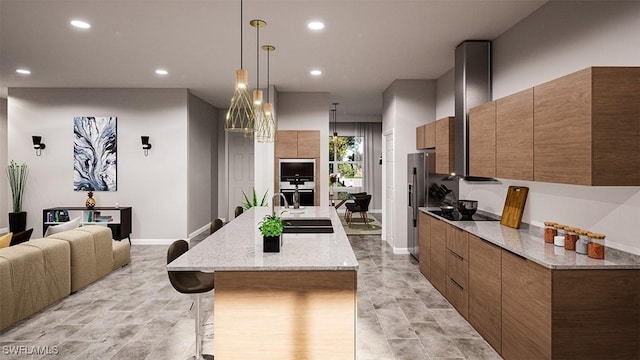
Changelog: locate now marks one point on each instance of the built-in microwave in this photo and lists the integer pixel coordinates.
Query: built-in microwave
(302, 169)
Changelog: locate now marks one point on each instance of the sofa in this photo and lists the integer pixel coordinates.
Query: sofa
(40, 272)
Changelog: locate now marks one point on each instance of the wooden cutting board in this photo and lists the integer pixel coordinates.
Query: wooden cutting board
(514, 206)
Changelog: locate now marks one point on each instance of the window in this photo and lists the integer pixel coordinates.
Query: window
(346, 160)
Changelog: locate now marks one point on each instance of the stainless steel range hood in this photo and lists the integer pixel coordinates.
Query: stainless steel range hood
(472, 88)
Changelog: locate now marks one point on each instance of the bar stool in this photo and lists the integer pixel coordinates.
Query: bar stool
(215, 226)
(238, 211)
(190, 282)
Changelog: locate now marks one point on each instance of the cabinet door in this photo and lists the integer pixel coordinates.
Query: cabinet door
(438, 255)
(430, 135)
(458, 241)
(458, 297)
(485, 289)
(309, 144)
(445, 146)
(514, 136)
(562, 130)
(526, 309)
(424, 235)
(420, 137)
(287, 144)
(482, 140)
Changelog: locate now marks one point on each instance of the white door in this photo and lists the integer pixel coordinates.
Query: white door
(241, 170)
(388, 216)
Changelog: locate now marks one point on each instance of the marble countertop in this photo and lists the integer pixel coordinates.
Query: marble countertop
(237, 246)
(528, 243)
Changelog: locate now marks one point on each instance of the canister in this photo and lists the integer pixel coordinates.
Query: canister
(595, 249)
(570, 238)
(582, 244)
(549, 231)
(558, 240)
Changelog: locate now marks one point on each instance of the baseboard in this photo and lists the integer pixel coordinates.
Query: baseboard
(376, 211)
(4, 231)
(200, 231)
(146, 242)
(401, 251)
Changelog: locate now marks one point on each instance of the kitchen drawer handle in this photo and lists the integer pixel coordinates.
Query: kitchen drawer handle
(456, 255)
(456, 284)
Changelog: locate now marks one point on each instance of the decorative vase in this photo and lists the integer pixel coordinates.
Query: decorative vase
(17, 221)
(91, 202)
(271, 243)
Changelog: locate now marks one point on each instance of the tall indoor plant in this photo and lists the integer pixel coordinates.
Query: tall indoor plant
(17, 175)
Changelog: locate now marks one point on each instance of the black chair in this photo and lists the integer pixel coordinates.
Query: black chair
(239, 211)
(360, 205)
(190, 282)
(215, 226)
(351, 199)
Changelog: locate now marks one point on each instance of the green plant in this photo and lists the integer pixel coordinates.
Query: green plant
(249, 203)
(272, 225)
(17, 175)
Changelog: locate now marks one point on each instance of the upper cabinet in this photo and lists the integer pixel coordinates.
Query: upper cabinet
(298, 144)
(587, 128)
(445, 144)
(482, 140)
(514, 136)
(426, 136)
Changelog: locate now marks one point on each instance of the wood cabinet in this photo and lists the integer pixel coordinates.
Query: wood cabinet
(587, 128)
(286, 145)
(458, 269)
(485, 290)
(438, 255)
(309, 144)
(426, 136)
(297, 144)
(424, 250)
(482, 140)
(514, 136)
(445, 145)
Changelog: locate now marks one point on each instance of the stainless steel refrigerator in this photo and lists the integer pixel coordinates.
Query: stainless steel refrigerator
(418, 166)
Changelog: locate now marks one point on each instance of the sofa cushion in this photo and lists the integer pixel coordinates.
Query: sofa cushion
(121, 254)
(5, 240)
(21, 237)
(102, 240)
(57, 266)
(83, 257)
(72, 224)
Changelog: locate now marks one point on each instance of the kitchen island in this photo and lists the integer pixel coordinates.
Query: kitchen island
(299, 303)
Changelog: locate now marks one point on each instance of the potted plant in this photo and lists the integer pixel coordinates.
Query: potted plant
(249, 203)
(17, 175)
(271, 228)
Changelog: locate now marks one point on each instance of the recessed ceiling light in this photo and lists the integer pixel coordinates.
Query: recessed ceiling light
(80, 24)
(23, 71)
(161, 72)
(316, 25)
(315, 72)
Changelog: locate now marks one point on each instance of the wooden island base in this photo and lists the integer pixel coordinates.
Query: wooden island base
(285, 315)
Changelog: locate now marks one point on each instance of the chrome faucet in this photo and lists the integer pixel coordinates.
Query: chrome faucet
(273, 203)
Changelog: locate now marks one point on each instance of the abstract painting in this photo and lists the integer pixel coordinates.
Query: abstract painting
(94, 153)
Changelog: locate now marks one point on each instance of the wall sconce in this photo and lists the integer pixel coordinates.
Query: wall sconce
(145, 145)
(38, 145)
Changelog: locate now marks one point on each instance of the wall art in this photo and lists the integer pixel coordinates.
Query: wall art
(95, 148)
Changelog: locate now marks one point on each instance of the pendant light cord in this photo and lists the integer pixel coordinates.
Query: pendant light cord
(258, 56)
(268, 99)
(241, 35)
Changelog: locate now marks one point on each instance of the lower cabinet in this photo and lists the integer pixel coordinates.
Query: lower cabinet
(485, 290)
(458, 269)
(438, 255)
(424, 236)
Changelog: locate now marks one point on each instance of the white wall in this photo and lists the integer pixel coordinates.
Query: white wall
(445, 95)
(406, 105)
(202, 138)
(557, 39)
(155, 186)
(264, 161)
(308, 111)
(4, 161)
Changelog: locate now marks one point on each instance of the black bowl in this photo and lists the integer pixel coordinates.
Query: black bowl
(467, 207)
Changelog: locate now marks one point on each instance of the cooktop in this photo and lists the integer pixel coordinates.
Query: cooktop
(456, 216)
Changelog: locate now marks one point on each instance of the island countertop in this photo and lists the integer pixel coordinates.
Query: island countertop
(237, 246)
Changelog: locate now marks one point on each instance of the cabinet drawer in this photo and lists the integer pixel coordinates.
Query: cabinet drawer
(458, 241)
(457, 269)
(458, 297)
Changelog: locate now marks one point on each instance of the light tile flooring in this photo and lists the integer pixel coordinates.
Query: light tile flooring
(134, 313)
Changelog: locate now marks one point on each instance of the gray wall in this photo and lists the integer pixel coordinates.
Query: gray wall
(202, 139)
(557, 39)
(4, 161)
(155, 186)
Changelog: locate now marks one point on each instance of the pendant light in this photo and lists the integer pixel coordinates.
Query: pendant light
(266, 132)
(335, 129)
(258, 111)
(240, 117)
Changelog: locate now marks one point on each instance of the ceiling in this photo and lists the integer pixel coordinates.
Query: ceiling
(364, 47)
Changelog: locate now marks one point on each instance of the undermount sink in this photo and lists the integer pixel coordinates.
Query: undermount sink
(308, 226)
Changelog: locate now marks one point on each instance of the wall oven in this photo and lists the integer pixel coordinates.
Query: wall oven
(300, 172)
(307, 196)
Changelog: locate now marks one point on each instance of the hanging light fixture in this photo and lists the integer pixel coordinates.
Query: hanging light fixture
(240, 117)
(335, 129)
(256, 107)
(266, 132)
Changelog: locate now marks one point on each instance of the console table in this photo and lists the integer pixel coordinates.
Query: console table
(120, 222)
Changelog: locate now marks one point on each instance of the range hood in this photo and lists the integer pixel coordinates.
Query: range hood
(472, 88)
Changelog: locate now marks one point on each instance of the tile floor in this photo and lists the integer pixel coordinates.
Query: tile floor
(134, 313)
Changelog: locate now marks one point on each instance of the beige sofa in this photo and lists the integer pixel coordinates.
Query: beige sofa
(39, 272)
